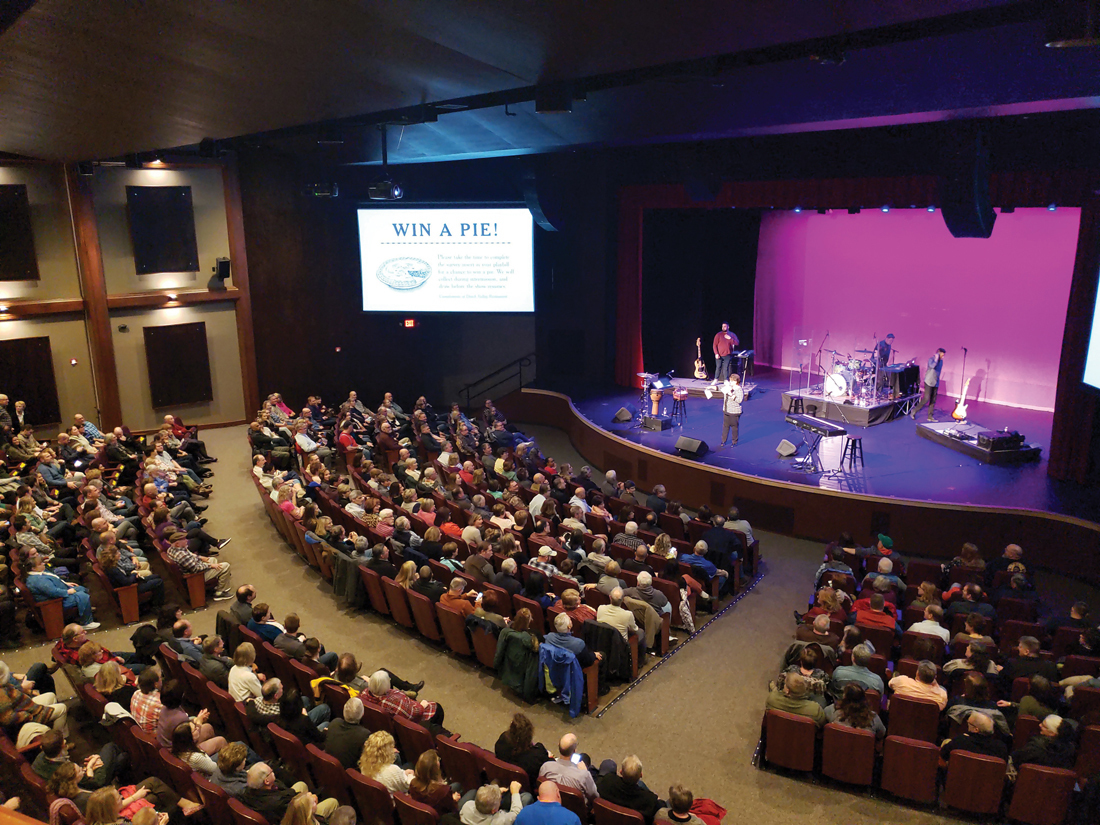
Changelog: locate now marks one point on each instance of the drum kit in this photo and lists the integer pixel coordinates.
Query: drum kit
(852, 378)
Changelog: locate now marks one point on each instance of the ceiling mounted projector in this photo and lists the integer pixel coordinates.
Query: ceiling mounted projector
(385, 190)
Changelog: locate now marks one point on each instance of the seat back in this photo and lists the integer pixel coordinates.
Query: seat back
(975, 782)
(303, 677)
(411, 812)
(485, 646)
(1018, 610)
(234, 731)
(413, 739)
(790, 740)
(1085, 699)
(909, 641)
(882, 638)
(1080, 666)
(290, 750)
(459, 761)
(329, 775)
(1026, 727)
(909, 769)
(372, 582)
(848, 754)
(372, 800)
(1088, 753)
(196, 684)
(453, 627)
(280, 663)
(180, 772)
(1042, 795)
(214, 799)
(36, 785)
(243, 815)
(398, 600)
(335, 696)
(1012, 630)
(423, 612)
(1062, 639)
(376, 719)
(913, 718)
(538, 623)
(606, 813)
(502, 772)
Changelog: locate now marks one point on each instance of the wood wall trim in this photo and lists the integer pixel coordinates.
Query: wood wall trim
(93, 288)
(1064, 544)
(160, 298)
(23, 308)
(246, 339)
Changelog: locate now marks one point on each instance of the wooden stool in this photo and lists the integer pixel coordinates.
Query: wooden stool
(853, 446)
(795, 405)
(679, 404)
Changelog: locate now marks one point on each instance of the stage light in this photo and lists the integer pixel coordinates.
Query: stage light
(3, 308)
(886, 209)
(72, 362)
(798, 209)
(171, 296)
(1052, 207)
(931, 209)
(338, 349)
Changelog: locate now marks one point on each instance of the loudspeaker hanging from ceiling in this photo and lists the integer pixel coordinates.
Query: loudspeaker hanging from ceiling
(964, 189)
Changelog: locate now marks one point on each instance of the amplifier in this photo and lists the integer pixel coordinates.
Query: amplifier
(657, 422)
(999, 442)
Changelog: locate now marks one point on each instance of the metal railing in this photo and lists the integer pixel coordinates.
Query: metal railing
(509, 377)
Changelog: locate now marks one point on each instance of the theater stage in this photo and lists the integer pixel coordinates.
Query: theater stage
(897, 463)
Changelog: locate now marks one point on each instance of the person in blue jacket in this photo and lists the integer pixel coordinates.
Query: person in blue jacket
(45, 586)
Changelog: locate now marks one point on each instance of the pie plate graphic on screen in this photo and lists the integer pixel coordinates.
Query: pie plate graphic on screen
(404, 273)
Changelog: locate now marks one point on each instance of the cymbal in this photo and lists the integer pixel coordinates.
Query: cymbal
(867, 351)
(646, 374)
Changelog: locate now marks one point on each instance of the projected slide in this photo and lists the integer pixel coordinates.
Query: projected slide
(1092, 359)
(447, 260)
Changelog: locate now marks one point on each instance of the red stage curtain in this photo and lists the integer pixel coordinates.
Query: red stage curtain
(1019, 189)
(1074, 405)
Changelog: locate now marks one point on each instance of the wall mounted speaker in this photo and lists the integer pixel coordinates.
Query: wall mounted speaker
(691, 447)
(786, 448)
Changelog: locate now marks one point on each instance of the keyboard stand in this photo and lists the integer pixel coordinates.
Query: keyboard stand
(812, 462)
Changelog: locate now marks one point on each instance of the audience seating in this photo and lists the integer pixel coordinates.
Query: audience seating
(909, 769)
(790, 740)
(606, 813)
(411, 812)
(913, 718)
(848, 755)
(974, 783)
(373, 801)
(1042, 795)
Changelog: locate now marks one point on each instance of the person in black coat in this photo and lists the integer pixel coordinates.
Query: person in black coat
(723, 546)
(625, 788)
(516, 747)
(426, 585)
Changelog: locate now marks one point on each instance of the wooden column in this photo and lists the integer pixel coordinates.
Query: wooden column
(93, 288)
(246, 340)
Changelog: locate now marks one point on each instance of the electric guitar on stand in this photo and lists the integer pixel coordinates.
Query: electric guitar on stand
(700, 366)
(960, 409)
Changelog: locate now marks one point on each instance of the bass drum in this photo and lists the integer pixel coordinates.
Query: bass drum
(836, 384)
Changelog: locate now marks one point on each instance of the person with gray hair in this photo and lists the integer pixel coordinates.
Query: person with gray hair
(924, 686)
(619, 617)
(884, 570)
(269, 797)
(484, 808)
(563, 637)
(1053, 747)
(265, 707)
(629, 536)
(857, 672)
(344, 737)
(794, 697)
(978, 738)
(657, 501)
(610, 486)
(506, 579)
(646, 592)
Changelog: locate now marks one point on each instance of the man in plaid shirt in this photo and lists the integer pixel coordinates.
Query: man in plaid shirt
(397, 702)
(543, 563)
(211, 570)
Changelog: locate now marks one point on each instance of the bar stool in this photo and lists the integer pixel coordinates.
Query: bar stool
(795, 405)
(679, 404)
(853, 446)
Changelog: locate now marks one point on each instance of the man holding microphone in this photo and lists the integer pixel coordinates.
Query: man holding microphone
(931, 385)
(733, 395)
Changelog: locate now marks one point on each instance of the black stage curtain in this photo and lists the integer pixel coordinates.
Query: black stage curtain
(698, 270)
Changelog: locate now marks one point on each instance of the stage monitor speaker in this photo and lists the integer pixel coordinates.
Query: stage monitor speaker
(691, 447)
(786, 448)
(657, 422)
(964, 191)
(625, 413)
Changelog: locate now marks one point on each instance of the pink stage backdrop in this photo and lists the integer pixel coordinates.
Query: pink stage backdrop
(855, 276)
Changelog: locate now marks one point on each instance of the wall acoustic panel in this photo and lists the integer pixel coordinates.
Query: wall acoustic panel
(18, 261)
(162, 229)
(26, 374)
(179, 365)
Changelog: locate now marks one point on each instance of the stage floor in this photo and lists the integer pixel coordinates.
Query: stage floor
(898, 463)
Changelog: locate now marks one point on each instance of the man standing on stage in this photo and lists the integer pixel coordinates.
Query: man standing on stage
(882, 356)
(931, 385)
(725, 343)
(732, 398)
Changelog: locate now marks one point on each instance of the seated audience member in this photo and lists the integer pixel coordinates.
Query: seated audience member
(856, 673)
(172, 714)
(974, 627)
(229, 775)
(975, 699)
(45, 585)
(969, 558)
(637, 564)
(885, 570)
(535, 590)
(212, 571)
(244, 680)
(852, 710)
(1011, 561)
(969, 600)
(484, 808)
(646, 592)
(517, 747)
(427, 586)
(1053, 747)
(309, 726)
(608, 580)
(292, 642)
(809, 668)
(978, 738)
(793, 697)
(97, 770)
(464, 603)
(547, 808)
(976, 658)
(626, 789)
(268, 796)
(697, 558)
(242, 605)
(489, 608)
(344, 738)
(377, 762)
(835, 562)
(680, 802)
(1027, 663)
(878, 615)
(1040, 701)
(1078, 619)
(507, 579)
(827, 602)
(818, 631)
(113, 685)
(927, 595)
(396, 701)
(629, 536)
(930, 624)
(380, 563)
(428, 787)
(214, 664)
(924, 686)
(563, 637)
(564, 771)
(580, 613)
(1018, 588)
(544, 563)
(479, 565)
(885, 548)
(145, 705)
(617, 616)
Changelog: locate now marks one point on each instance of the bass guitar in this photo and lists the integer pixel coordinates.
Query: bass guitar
(700, 367)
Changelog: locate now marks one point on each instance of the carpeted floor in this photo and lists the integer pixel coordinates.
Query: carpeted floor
(695, 720)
